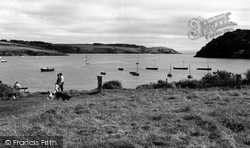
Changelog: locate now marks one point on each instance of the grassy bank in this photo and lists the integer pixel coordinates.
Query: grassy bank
(136, 118)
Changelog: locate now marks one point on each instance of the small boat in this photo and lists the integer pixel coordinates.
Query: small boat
(121, 69)
(181, 68)
(47, 69)
(135, 74)
(137, 64)
(152, 68)
(189, 76)
(3, 61)
(170, 74)
(86, 60)
(205, 68)
(103, 73)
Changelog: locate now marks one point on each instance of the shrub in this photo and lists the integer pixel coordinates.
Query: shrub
(114, 84)
(160, 84)
(247, 75)
(208, 79)
(189, 84)
(219, 78)
(223, 75)
(5, 90)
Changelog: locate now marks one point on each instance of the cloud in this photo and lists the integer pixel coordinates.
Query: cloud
(162, 22)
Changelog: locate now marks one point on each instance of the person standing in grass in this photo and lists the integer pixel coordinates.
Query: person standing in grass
(62, 81)
(58, 82)
(16, 88)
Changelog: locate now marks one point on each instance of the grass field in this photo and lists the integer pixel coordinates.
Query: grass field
(136, 118)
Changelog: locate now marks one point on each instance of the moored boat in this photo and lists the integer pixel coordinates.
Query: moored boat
(47, 69)
(204, 68)
(189, 76)
(86, 60)
(137, 63)
(152, 68)
(121, 69)
(170, 74)
(3, 61)
(181, 68)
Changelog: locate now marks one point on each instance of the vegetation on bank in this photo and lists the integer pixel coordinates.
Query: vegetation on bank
(219, 78)
(230, 45)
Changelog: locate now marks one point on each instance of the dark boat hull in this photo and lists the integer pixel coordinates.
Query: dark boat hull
(151, 68)
(121, 69)
(47, 70)
(204, 69)
(170, 75)
(180, 68)
(135, 74)
(189, 76)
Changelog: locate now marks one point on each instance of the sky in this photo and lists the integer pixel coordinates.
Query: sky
(143, 22)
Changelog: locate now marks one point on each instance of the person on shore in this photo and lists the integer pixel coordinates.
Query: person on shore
(16, 88)
(57, 84)
(61, 82)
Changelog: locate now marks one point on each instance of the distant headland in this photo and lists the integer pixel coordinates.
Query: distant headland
(39, 48)
(234, 44)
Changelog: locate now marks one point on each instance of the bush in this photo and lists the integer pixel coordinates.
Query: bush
(5, 90)
(189, 84)
(247, 75)
(219, 78)
(114, 84)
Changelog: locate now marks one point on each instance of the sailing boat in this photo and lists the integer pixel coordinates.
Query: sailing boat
(137, 64)
(121, 69)
(181, 68)
(152, 68)
(190, 76)
(204, 68)
(86, 59)
(170, 74)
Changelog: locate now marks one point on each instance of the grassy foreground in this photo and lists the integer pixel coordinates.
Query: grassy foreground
(134, 118)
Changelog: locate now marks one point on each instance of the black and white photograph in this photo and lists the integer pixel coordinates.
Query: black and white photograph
(124, 74)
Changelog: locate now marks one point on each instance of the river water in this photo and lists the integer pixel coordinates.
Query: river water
(79, 76)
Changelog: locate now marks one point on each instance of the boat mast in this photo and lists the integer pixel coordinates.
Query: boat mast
(170, 67)
(189, 69)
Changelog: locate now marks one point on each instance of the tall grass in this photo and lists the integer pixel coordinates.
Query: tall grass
(141, 118)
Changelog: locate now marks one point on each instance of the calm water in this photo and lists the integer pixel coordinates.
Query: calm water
(79, 76)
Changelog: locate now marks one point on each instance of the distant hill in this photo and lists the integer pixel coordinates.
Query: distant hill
(121, 48)
(234, 44)
(8, 48)
(20, 47)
